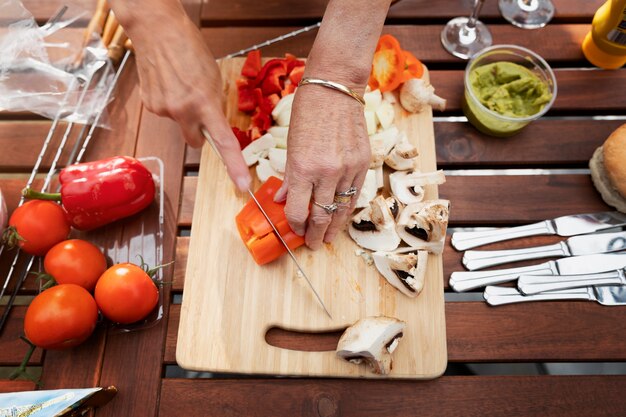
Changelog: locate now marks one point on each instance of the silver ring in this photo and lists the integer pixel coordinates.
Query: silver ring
(330, 208)
(348, 193)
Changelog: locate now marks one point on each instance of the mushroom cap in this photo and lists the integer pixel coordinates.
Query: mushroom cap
(369, 189)
(406, 272)
(408, 186)
(429, 221)
(372, 339)
(378, 227)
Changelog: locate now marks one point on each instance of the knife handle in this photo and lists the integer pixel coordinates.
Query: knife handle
(467, 240)
(497, 296)
(540, 283)
(479, 259)
(463, 281)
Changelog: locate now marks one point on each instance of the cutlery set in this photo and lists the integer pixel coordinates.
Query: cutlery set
(592, 265)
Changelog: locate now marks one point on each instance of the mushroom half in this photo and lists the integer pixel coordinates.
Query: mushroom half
(403, 156)
(373, 340)
(423, 225)
(408, 186)
(374, 227)
(406, 272)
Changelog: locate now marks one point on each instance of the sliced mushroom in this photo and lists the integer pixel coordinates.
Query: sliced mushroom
(394, 205)
(373, 340)
(386, 139)
(258, 149)
(368, 191)
(378, 155)
(406, 272)
(408, 186)
(380, 177)
(423, 225)
(374, 227)
(403, 156)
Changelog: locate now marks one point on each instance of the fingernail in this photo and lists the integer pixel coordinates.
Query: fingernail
(281, 194)
(243, 183)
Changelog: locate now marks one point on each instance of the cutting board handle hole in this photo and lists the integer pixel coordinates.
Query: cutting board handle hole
(303, 341)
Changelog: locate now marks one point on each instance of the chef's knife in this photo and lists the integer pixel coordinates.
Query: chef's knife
(574, 246)
(535, 284)
(576, 265)
(614, 295)
(576, 224)
(209, 139)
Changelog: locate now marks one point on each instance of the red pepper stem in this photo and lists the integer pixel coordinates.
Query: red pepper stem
(36, 195)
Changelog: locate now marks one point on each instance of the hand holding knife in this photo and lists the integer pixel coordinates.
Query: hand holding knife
(207, 136)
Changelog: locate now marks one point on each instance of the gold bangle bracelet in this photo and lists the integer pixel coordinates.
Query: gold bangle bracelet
(335, 86)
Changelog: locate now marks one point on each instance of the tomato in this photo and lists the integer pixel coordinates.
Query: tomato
(36, 226)
(61, 317)
(75, 261)
(125, 293)
(255, 231)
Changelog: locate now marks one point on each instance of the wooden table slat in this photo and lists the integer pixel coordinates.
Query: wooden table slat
(250, 10)
(12, 348)
(16, 386)
(573, 396)
(476, 332)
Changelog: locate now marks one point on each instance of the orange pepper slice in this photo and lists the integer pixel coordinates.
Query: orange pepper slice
(388, 64)
(413, 67)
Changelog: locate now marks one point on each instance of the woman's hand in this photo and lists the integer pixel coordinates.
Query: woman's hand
(328, 152)
(181, 80)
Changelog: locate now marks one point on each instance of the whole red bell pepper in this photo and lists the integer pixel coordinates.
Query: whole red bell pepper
(100, 192)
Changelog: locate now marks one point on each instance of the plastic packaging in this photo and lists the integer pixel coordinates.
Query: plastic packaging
(605, 45)
(57, 403)
(36, 66)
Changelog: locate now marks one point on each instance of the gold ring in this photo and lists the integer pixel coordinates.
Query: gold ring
(342, 199)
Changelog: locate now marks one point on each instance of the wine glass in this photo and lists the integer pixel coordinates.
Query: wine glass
(527, 14)
(464, 37)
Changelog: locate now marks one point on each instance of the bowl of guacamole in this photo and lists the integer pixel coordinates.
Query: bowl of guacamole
(507, 87)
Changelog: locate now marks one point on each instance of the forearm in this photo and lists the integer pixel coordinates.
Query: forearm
(344, 46)
(145, 20)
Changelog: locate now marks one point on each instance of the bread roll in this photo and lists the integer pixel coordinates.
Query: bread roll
(608, 169)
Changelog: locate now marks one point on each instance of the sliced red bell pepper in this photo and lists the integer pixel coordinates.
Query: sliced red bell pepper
(296, 75)
(267, 67)
(261, 119)
(413, 68)
(274, 80)
(292, 62)
(255, 231)
(388, 65)
(246, 98)
(243, 137)
(290, 88)
(252, 65)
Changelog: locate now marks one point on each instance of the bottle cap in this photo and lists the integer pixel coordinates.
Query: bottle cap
(598, 57)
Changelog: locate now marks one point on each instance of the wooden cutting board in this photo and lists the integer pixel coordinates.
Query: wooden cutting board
(229, 302)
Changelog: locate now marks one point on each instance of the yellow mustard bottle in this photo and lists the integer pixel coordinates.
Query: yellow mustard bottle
(605, 45)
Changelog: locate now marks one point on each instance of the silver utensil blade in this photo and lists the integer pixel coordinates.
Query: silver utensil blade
(596, 243)
(282, 241)
(610, 295)
(587, 223)
(590, 264)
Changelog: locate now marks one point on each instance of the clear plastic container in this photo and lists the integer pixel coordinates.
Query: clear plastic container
(488, 121)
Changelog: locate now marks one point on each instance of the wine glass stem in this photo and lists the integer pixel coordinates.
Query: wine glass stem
(478, 4)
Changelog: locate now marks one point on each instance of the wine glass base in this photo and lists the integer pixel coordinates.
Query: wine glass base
(462, 41)
(532, 14)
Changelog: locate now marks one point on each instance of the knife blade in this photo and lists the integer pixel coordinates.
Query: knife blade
(572, 225)
(610, 295)
(573, 246)
(209, 139)
(576, 265)
(539, 283)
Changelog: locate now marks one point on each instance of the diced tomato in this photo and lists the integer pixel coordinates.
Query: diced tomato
(242, 137)
(255, 231)
(296, 75)
(252, 65)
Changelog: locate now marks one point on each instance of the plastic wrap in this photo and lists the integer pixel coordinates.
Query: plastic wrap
(37, 66)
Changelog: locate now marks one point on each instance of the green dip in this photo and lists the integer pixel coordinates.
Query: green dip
(508, 89)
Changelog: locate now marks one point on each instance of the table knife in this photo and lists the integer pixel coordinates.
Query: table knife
(209, 139)
(535, 284)
(574, 246)
(576, 224)
(576, 265)
(606, 295)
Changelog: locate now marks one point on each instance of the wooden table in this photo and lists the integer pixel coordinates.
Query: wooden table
(139, 363)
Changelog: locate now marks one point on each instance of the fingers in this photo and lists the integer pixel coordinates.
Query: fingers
(320, 219)
(297, 207)
(343, 210)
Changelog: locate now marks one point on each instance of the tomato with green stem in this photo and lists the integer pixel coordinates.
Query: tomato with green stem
(61, 317)
(75, 261)
(36, 226)
(126, 293)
